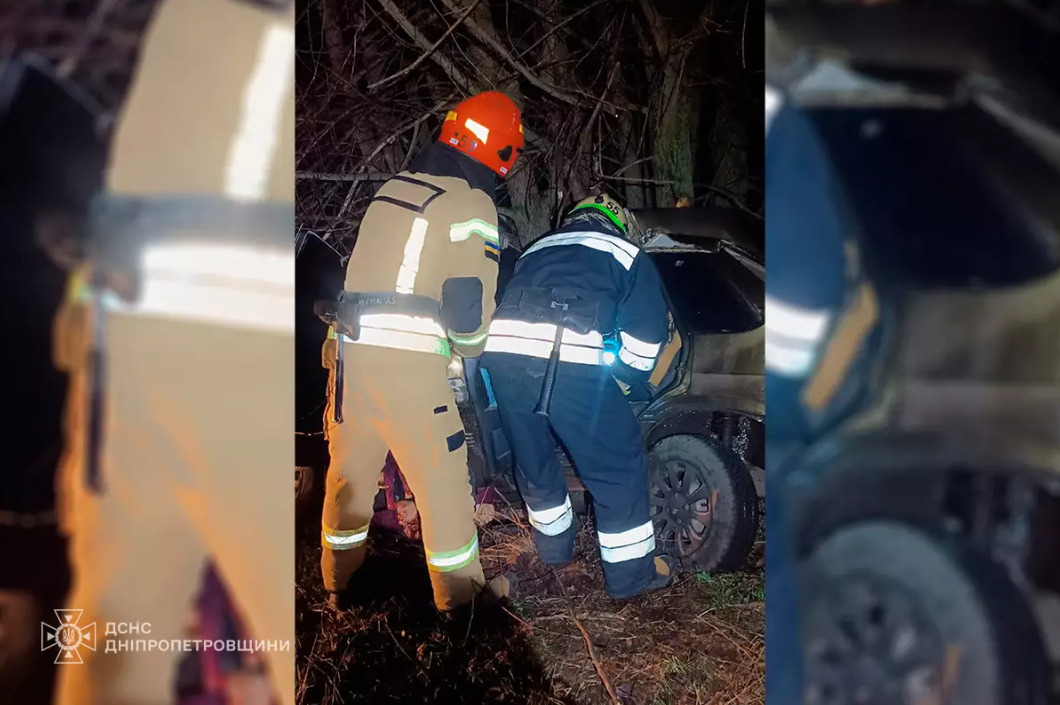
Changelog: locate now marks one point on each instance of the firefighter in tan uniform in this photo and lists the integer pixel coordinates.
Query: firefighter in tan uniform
(180, 355)
(419, 288)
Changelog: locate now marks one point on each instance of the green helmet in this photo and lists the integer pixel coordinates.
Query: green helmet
(604, 203)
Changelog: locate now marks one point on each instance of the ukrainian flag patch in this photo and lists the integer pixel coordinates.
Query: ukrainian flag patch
(492, 251)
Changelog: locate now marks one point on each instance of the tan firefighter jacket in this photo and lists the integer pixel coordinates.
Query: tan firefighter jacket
(425, 266)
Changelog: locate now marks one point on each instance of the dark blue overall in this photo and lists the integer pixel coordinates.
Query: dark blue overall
(588, 412)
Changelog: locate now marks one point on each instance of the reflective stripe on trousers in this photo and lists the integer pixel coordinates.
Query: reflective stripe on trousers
(793, 335)
(627, 545)
(536, 340)
(338, 540)
(552, 521)
(447, 561)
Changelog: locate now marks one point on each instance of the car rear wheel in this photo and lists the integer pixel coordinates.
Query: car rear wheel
(703, 503)
(891, 615)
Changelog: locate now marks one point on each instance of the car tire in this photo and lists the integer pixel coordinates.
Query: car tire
(874, 585)
(712, 475)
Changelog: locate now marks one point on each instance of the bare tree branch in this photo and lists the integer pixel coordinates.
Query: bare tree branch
(736, 201)
(560, 26)
(596, 110)
(404, 61)
(429, 51)
(659, 35)
(412, 147)
(95, 25)
(488, 39)
(454, 73)
(393, 136)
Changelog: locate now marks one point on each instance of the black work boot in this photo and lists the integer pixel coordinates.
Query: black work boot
(557, 551)
(664, 577)
(664, 573)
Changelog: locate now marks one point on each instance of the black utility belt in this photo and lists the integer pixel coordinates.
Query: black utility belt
(120, 227)
(571, 310)
(344, 312)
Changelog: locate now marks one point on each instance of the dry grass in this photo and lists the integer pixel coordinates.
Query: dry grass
(700, 642)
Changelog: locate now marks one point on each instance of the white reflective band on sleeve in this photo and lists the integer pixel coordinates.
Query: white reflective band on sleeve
(795, 322)
(238, 287)
(774, 101)
(792, 337)
(788, 358)
(467, 339)
(344, 541)
(639, 347)
(479, 130)
(627, 545)
(458, 232)
(544, 331)
(410, 265)
(403, 322)
(623, 252)
(644, 364)
(251, 154)
(553, 521)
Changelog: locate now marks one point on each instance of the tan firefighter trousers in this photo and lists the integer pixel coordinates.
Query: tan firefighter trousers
(195, 467)
(196, 446)
(399, 400)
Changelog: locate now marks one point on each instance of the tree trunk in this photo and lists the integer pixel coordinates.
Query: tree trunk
(672, 112)
(730, 152)
(338, 52)
(674, 154)
(530, 208)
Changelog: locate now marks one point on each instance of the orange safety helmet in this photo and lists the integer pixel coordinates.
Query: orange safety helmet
(488, 128)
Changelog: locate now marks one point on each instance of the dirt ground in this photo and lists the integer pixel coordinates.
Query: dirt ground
(700, 642)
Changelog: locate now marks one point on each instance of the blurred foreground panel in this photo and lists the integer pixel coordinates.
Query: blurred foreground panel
(913, 353)
(174, 341)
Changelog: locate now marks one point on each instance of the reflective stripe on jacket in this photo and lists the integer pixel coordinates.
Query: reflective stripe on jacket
(536, 339)
(603, 267)
(431, 236)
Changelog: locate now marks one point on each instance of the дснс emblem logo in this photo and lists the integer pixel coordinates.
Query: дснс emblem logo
(68, 636)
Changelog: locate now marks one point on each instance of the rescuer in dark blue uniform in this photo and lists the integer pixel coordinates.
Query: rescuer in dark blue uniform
(803, 229)
(815, 295)
(573, 291)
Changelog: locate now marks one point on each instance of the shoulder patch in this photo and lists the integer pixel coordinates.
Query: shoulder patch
(415, 194)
